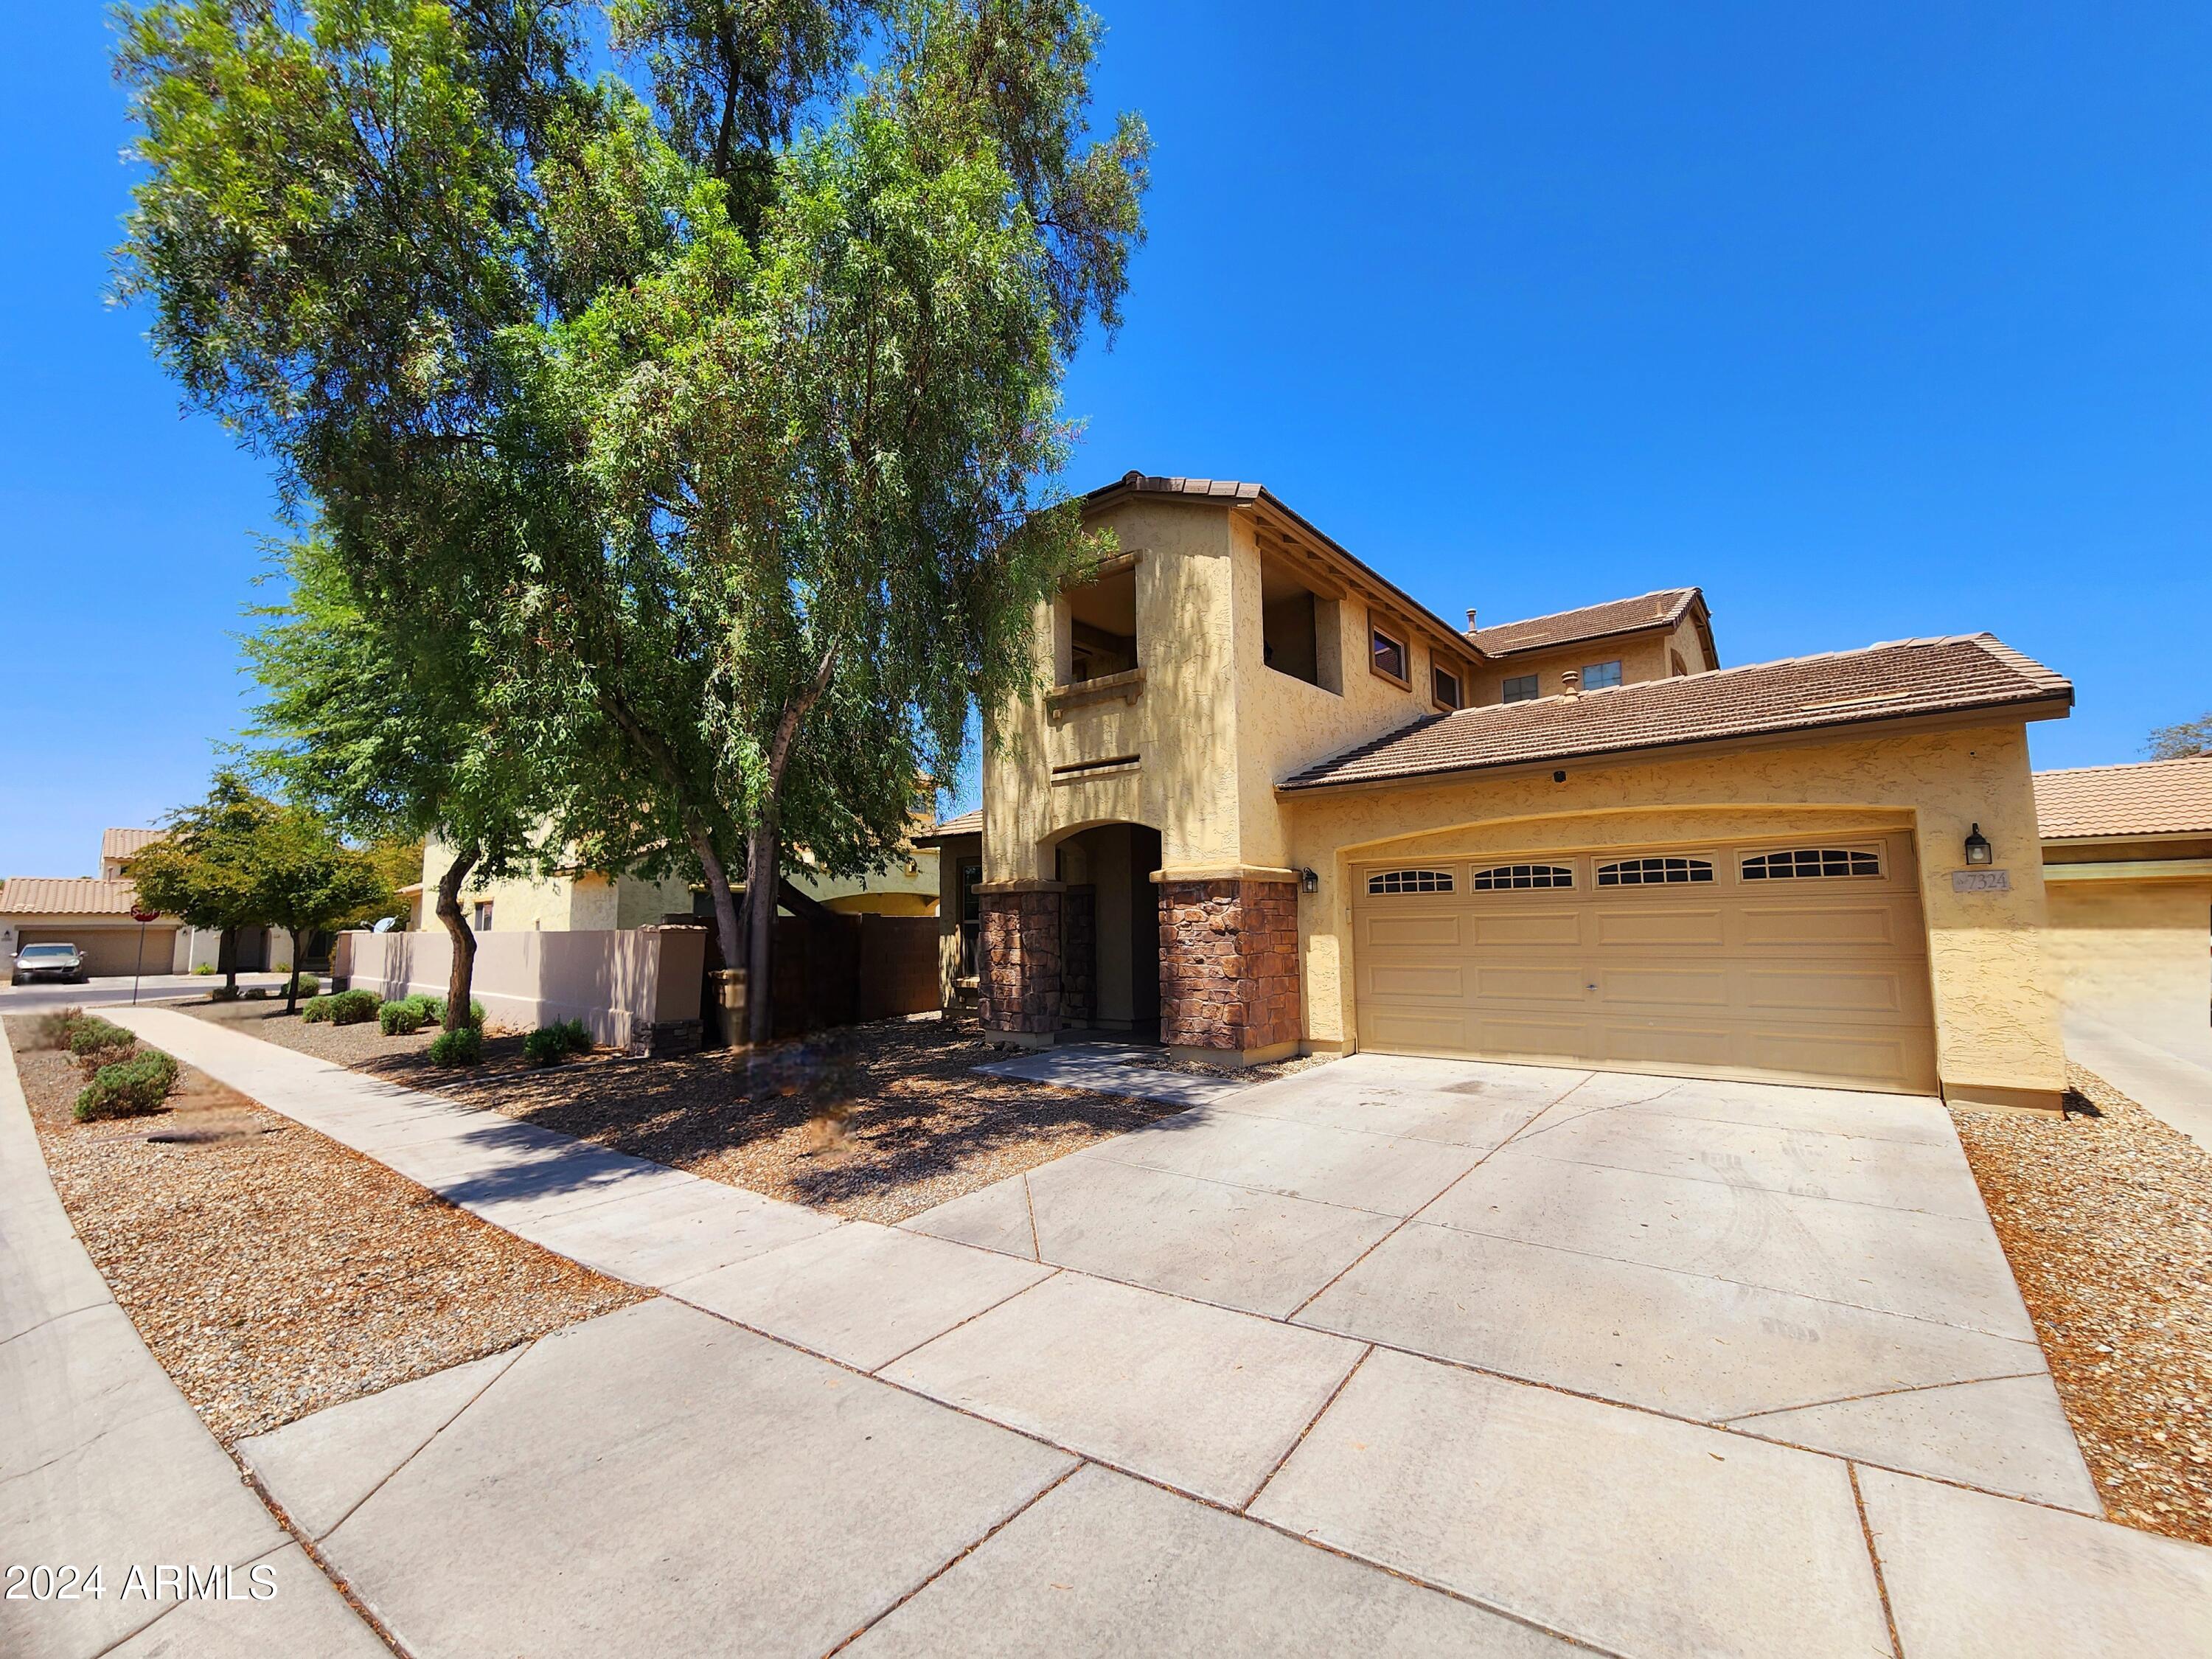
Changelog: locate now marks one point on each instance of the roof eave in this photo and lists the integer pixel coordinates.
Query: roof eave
(2042, 706)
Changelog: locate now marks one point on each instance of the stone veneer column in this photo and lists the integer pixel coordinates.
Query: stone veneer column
(1018, 978)
(1228, 964)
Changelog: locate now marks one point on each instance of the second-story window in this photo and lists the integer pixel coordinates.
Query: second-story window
(1520, 687)
(1447, 687)
(1102, 627)
(1389, 658)
(483, 916)
(1598, 674)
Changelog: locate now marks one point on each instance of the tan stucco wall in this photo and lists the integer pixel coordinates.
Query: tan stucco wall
(2133, 950)
(1996, 999)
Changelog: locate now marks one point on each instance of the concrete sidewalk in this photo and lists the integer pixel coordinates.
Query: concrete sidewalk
(104, 1464)
(2164, 1067)
(946, 1438)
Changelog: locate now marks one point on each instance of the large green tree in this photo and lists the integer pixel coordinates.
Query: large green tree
(395, 731)
(197, 870)
(722, 400)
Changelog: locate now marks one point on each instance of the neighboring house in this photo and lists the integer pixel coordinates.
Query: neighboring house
(583, 901)
(1271, 803)
(2127, 856)
(93, 914)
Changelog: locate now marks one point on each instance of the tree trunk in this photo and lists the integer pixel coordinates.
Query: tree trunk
(717, 873)
(292, 985)
(462, 980)
(762, 879)
(226, 958)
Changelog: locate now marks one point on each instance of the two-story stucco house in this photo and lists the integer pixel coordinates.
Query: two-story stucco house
(1270, 804)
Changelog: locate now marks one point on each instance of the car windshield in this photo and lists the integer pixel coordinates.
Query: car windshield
(41, 952)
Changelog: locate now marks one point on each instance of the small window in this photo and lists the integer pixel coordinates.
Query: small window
(1520, 687)
(1598, 675)
(482, 920)
(1411, 881)
(1512, 876)
(1447, 687)
(1389, 655)
(1653, 873)
(1814, 861)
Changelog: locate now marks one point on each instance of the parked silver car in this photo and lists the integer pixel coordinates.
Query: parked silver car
(61, 962)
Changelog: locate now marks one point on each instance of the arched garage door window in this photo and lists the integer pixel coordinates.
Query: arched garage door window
(1654, 872)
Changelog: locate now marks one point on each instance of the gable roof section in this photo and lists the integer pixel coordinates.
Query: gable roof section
(66, 896)
(125, 843)
(2153, 797)
(1663, 608)
(1895, 681)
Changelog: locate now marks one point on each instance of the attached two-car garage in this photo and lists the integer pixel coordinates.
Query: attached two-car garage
(1802, 961)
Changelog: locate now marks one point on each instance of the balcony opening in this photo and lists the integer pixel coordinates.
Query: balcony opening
(1102, 627)
(1298, 629)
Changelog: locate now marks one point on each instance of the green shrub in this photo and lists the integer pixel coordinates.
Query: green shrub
(580, 1040)
(91, 1034)
(399, 1019)
(546, 1045)
(205, 968)
(129, 1088)
(433, 1009)
(461, 1046)
(316, 1011)
(352, 1007)
(309, 985)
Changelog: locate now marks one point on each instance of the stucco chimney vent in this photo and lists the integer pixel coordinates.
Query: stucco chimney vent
(1470, 619)
(1571, 680)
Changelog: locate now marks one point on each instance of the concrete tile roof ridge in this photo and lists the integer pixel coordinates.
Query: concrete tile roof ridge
(2141, 798)
(1897, 679)
(1657, 609)
(969, 822)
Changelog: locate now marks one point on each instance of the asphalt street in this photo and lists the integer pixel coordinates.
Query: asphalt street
(104, 993)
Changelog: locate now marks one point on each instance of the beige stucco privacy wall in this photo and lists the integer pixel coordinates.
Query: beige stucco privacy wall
(625, 985)
(1994, 997)
(2130, 949)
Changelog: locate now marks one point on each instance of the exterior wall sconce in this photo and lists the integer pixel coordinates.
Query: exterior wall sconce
(1308, 881)
(1977, 846)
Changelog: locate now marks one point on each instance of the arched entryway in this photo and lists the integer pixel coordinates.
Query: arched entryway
(1110, 973)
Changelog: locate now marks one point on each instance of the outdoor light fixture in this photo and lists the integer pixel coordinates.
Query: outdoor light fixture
(1310, 881)
(1977, 846)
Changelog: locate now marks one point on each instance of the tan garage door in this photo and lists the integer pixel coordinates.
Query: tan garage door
(109, 950)
(1799, 962)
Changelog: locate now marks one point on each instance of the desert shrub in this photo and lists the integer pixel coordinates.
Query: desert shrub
(204, 968)
(91, 1034)
(462, 1045)
(54, 1030)
(546, 1045)
(316, 1011)
(310, 986)
(129, 1088)
(398, 1018)
(579, 1039)
(352, 1007)
(433, 1009)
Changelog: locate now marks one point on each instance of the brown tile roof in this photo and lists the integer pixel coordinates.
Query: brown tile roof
(65, 895)
(1844, 687)
(124, 843)
(1590, 622)
(968, 824)
(2154, 797)
(1218, 489)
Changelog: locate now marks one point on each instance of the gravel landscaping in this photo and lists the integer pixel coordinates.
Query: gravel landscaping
(2106, 1217)
(272, 1272)
(874, 1122)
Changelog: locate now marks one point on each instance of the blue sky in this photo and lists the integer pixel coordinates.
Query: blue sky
(1875, 321)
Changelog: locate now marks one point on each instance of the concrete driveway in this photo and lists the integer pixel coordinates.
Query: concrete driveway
(1388, 1356)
